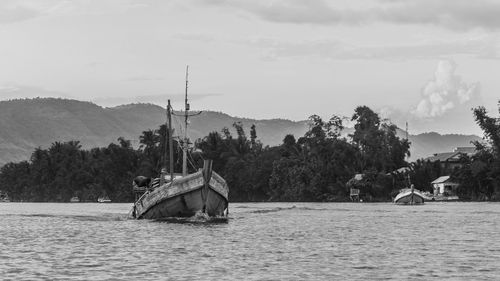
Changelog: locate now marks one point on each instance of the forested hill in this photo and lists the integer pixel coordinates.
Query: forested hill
(28, 123)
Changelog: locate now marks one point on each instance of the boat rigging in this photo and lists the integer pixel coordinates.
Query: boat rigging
(180, 195)
(187, 114)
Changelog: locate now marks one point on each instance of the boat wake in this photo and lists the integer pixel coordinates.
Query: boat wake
(198, 218)
(281, 209)
(274, 210)
(104, 217)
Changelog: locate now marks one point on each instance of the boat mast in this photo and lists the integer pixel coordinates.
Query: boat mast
(185, 144)
(170, 141)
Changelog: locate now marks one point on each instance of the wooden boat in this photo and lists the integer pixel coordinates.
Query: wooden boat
(103, 199)
(409, 196)
(201, 192)
(444, 198)
(184, 195)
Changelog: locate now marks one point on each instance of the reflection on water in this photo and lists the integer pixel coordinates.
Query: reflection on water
(283, 241)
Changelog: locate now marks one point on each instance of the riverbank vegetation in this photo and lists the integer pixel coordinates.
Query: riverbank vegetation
(319, 166)
(479, 174)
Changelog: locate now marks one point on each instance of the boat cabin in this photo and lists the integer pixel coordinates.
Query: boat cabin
(444, 186)
(142, 184)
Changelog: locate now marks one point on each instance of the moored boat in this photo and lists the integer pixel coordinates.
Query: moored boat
(444, 198)
(409, 196)
(103, 199)
(74, 199)
(180, 195)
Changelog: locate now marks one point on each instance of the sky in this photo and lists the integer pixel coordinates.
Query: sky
(425, 62)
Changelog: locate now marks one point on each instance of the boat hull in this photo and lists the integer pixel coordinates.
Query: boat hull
(409, 198)
(184, 198)
(187, 205)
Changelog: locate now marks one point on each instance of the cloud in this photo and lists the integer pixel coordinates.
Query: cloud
(445, 105)
(445, 92)
(11, 12)
(162, 99)
(194, 37)
(288, 11)
(154, 99)
(457, 14)
(272, 49)
(145, 78)
(14, 91)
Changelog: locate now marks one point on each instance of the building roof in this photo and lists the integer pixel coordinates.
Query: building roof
(358, 177)
(445, 156)
(441, 179)
(469, 150)
(401, 170)
(452, 156)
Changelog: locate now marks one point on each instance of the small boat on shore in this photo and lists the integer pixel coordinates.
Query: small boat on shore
(180, 195)
(409, 196)
(103, 199)
(445, 198)
(74, 199)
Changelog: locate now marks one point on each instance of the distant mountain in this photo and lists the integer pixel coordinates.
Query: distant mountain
(426, 144)
(28, 123)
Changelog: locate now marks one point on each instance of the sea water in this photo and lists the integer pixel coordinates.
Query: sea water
(260, 241)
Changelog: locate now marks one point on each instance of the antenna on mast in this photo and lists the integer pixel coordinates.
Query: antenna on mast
(406, 130)
(186, 96)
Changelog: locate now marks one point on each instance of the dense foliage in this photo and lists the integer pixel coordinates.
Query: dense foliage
(479, 174)
(318, 166)
(65, 170)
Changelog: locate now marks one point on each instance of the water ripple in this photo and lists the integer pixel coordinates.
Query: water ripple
(264, 241)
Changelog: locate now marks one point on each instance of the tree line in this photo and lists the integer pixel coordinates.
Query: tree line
(319, 166)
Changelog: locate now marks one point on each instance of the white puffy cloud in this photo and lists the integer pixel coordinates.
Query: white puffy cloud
(445, 92)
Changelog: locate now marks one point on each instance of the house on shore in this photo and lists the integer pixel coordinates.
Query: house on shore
(354, 190)
(444, 187)
(451, 160)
